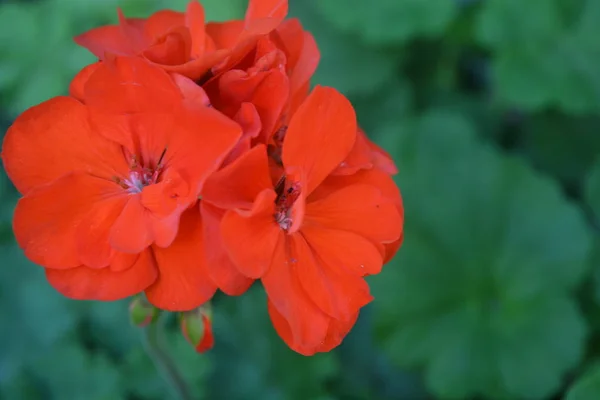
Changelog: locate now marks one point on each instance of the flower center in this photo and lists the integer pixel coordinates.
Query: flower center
(140, 175)
(138, 178)
(287, 194)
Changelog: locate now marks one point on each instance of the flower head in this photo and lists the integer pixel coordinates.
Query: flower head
(183, 42)
(193, 157)
(105, 181)
(309, 237)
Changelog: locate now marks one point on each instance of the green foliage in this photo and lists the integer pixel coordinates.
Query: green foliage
(389, 21)
(34, 70)
(486, 311)
(542, 57)
(491, 110)
(249, 356)
(587, 387)
(372, 68)
(564, 146)
(592, 189)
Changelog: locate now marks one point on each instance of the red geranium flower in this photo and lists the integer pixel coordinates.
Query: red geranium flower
(310, 242)
(182, 42)
(273, 77)
(259, 92)
(106, 180)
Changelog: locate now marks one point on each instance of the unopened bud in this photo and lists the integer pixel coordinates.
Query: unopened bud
(141, 312)
(196, 327)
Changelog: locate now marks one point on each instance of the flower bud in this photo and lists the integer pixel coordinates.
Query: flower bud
(196, 327)
(141, 312)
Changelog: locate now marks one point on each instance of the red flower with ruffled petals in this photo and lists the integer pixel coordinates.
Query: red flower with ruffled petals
(182, 42)
(309, 245)
(106, 181)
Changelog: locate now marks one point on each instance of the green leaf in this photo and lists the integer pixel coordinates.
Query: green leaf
(592, 188)
(592, 305)
(18, 27)
(504, 23)
(542, 56)
(140, 376)
(69, 372)
(392, 102)
(563, 146)
(479, 294)
(389, 21)
(110, 327)
(250, 361)
(346, 64)
(34, 317)
(586, 387)
(22, 386)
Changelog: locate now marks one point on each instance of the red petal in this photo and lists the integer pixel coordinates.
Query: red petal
(269, 98)
(196, 68)
(268, 91)
(92, 237)
(195, 21)
(164, 230)
(221, 270)
(392, 248)
(104, 284)
(170, 195)
(208, 340)
(133, 30)
(198, 144)
(301, 52)
(262, 16)
(129, 85)
(320, 135)
(122, 261)
(326, 276)
(225, 34)
(358, 158)
(171, 49)
(161, 22)
(247, 117)
(307, 64)
(372, 177)
(183, 282)
(238, 184)
(266, 9)
(343, 252)
(53, 139)
(193, 94)
(336, 332)
(104, 39)
(307, 323)
(359, 208)
(250, 239)
(381, 159)
(289, 37)
(77, 86)
(46, 219)
(131, 232)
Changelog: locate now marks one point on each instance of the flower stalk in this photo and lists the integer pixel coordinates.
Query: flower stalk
(154, 344)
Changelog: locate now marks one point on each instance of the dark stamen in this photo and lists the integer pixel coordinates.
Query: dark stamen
(279, 186)
(161, 157)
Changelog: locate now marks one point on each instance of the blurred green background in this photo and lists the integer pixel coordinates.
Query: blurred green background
(491, 110)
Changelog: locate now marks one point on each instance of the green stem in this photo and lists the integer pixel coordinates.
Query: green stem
(154, 345)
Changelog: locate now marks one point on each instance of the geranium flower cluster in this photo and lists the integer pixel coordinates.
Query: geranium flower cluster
(193, 157)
